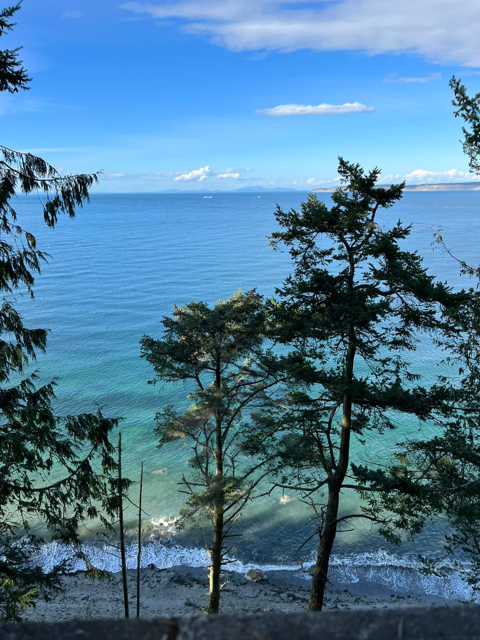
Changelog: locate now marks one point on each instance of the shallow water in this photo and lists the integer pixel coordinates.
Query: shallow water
(122, 264)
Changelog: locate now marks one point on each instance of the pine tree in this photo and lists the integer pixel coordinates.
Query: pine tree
(355, 307)
(468, 108)
(443, 470)
(219, 352)
(54, 470)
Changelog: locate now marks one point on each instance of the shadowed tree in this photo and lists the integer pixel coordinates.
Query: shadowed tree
(219, 352)
(468, 108)
(440, 475)
(356, 305)
(54, 470)
(443, 471)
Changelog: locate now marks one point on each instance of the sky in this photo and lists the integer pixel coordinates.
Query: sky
(225, 94)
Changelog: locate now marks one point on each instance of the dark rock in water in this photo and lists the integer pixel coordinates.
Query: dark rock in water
(255, 575)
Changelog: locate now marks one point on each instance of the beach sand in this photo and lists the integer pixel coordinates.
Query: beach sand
(182, 591)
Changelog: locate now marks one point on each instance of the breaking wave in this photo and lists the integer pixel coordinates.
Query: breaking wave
(401, 573)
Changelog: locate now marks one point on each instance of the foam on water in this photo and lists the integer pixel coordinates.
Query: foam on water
(398, 572)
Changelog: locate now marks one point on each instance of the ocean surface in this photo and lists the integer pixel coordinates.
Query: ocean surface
(122, 264)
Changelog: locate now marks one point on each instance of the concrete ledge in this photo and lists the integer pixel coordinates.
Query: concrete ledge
(433, 623)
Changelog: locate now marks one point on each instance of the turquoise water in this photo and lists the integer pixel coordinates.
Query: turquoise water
(122, 264)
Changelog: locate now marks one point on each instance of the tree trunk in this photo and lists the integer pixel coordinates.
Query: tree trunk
(216, 561)
(218, 511)
(122, 532)
(327, 538)
(139, 554)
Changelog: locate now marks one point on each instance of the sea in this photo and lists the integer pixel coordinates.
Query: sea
(117, 269)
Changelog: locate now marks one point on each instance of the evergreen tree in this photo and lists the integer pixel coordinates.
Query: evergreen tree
(219, 352)
(54, 470)
(443, 470)
(440, 475)
(468, 108)
(355, 307)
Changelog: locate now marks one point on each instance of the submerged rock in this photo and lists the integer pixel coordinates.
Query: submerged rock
(160, 535)
(160, 472)
(255, 575)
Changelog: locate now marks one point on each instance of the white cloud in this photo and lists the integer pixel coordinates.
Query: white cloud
(442, 31)
(197, 174)
(395, 78)
(72, 14)
(424, 176)
(420, 176)
(315, 110)
(310, 181)
(231, 176)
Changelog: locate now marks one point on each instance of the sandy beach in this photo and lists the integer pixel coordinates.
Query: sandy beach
(182, 591)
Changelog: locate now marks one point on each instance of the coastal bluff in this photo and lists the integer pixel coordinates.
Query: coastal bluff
(408, 623)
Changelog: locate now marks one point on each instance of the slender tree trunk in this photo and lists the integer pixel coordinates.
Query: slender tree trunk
(329, 531)
(327, 538)
(139, 555)
(122, 532)
(216, 561)
(218, 512)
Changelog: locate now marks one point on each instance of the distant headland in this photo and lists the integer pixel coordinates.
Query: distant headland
(445, 186)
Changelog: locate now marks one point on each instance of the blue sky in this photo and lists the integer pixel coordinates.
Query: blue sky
(221, 94)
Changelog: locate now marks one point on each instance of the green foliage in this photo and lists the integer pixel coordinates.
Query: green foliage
(218, 352)
(355, 307)
(13, 76)
(54, 470)
(468, 108)
(441, 474)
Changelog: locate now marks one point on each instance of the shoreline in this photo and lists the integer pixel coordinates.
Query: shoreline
(182, 590)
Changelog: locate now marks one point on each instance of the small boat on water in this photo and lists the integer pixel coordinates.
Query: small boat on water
(207, 197)
(259, 196)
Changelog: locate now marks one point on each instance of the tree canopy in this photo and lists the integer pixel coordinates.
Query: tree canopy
(220, 352)
(355, 308)
(54, 470)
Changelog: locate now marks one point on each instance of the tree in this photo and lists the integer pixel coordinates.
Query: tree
(354, 307)
(468, 108)
(444, 469)
(219, 352)
(13, 76)
(54, 470)
(440, 475)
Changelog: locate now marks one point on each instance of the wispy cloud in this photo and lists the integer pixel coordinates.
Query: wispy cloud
(9, 105)
(426, 176)
(420, 176)
(441, 31)
(72, 14)
(395, 78)
(231, 176)
(315, 110)
(200, 175)
(53, 150)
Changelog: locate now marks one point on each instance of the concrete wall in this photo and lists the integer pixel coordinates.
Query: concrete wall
(434, 623)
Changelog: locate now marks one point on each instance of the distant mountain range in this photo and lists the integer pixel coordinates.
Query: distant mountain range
(444, 186)
(240, 190)
(257, 189)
